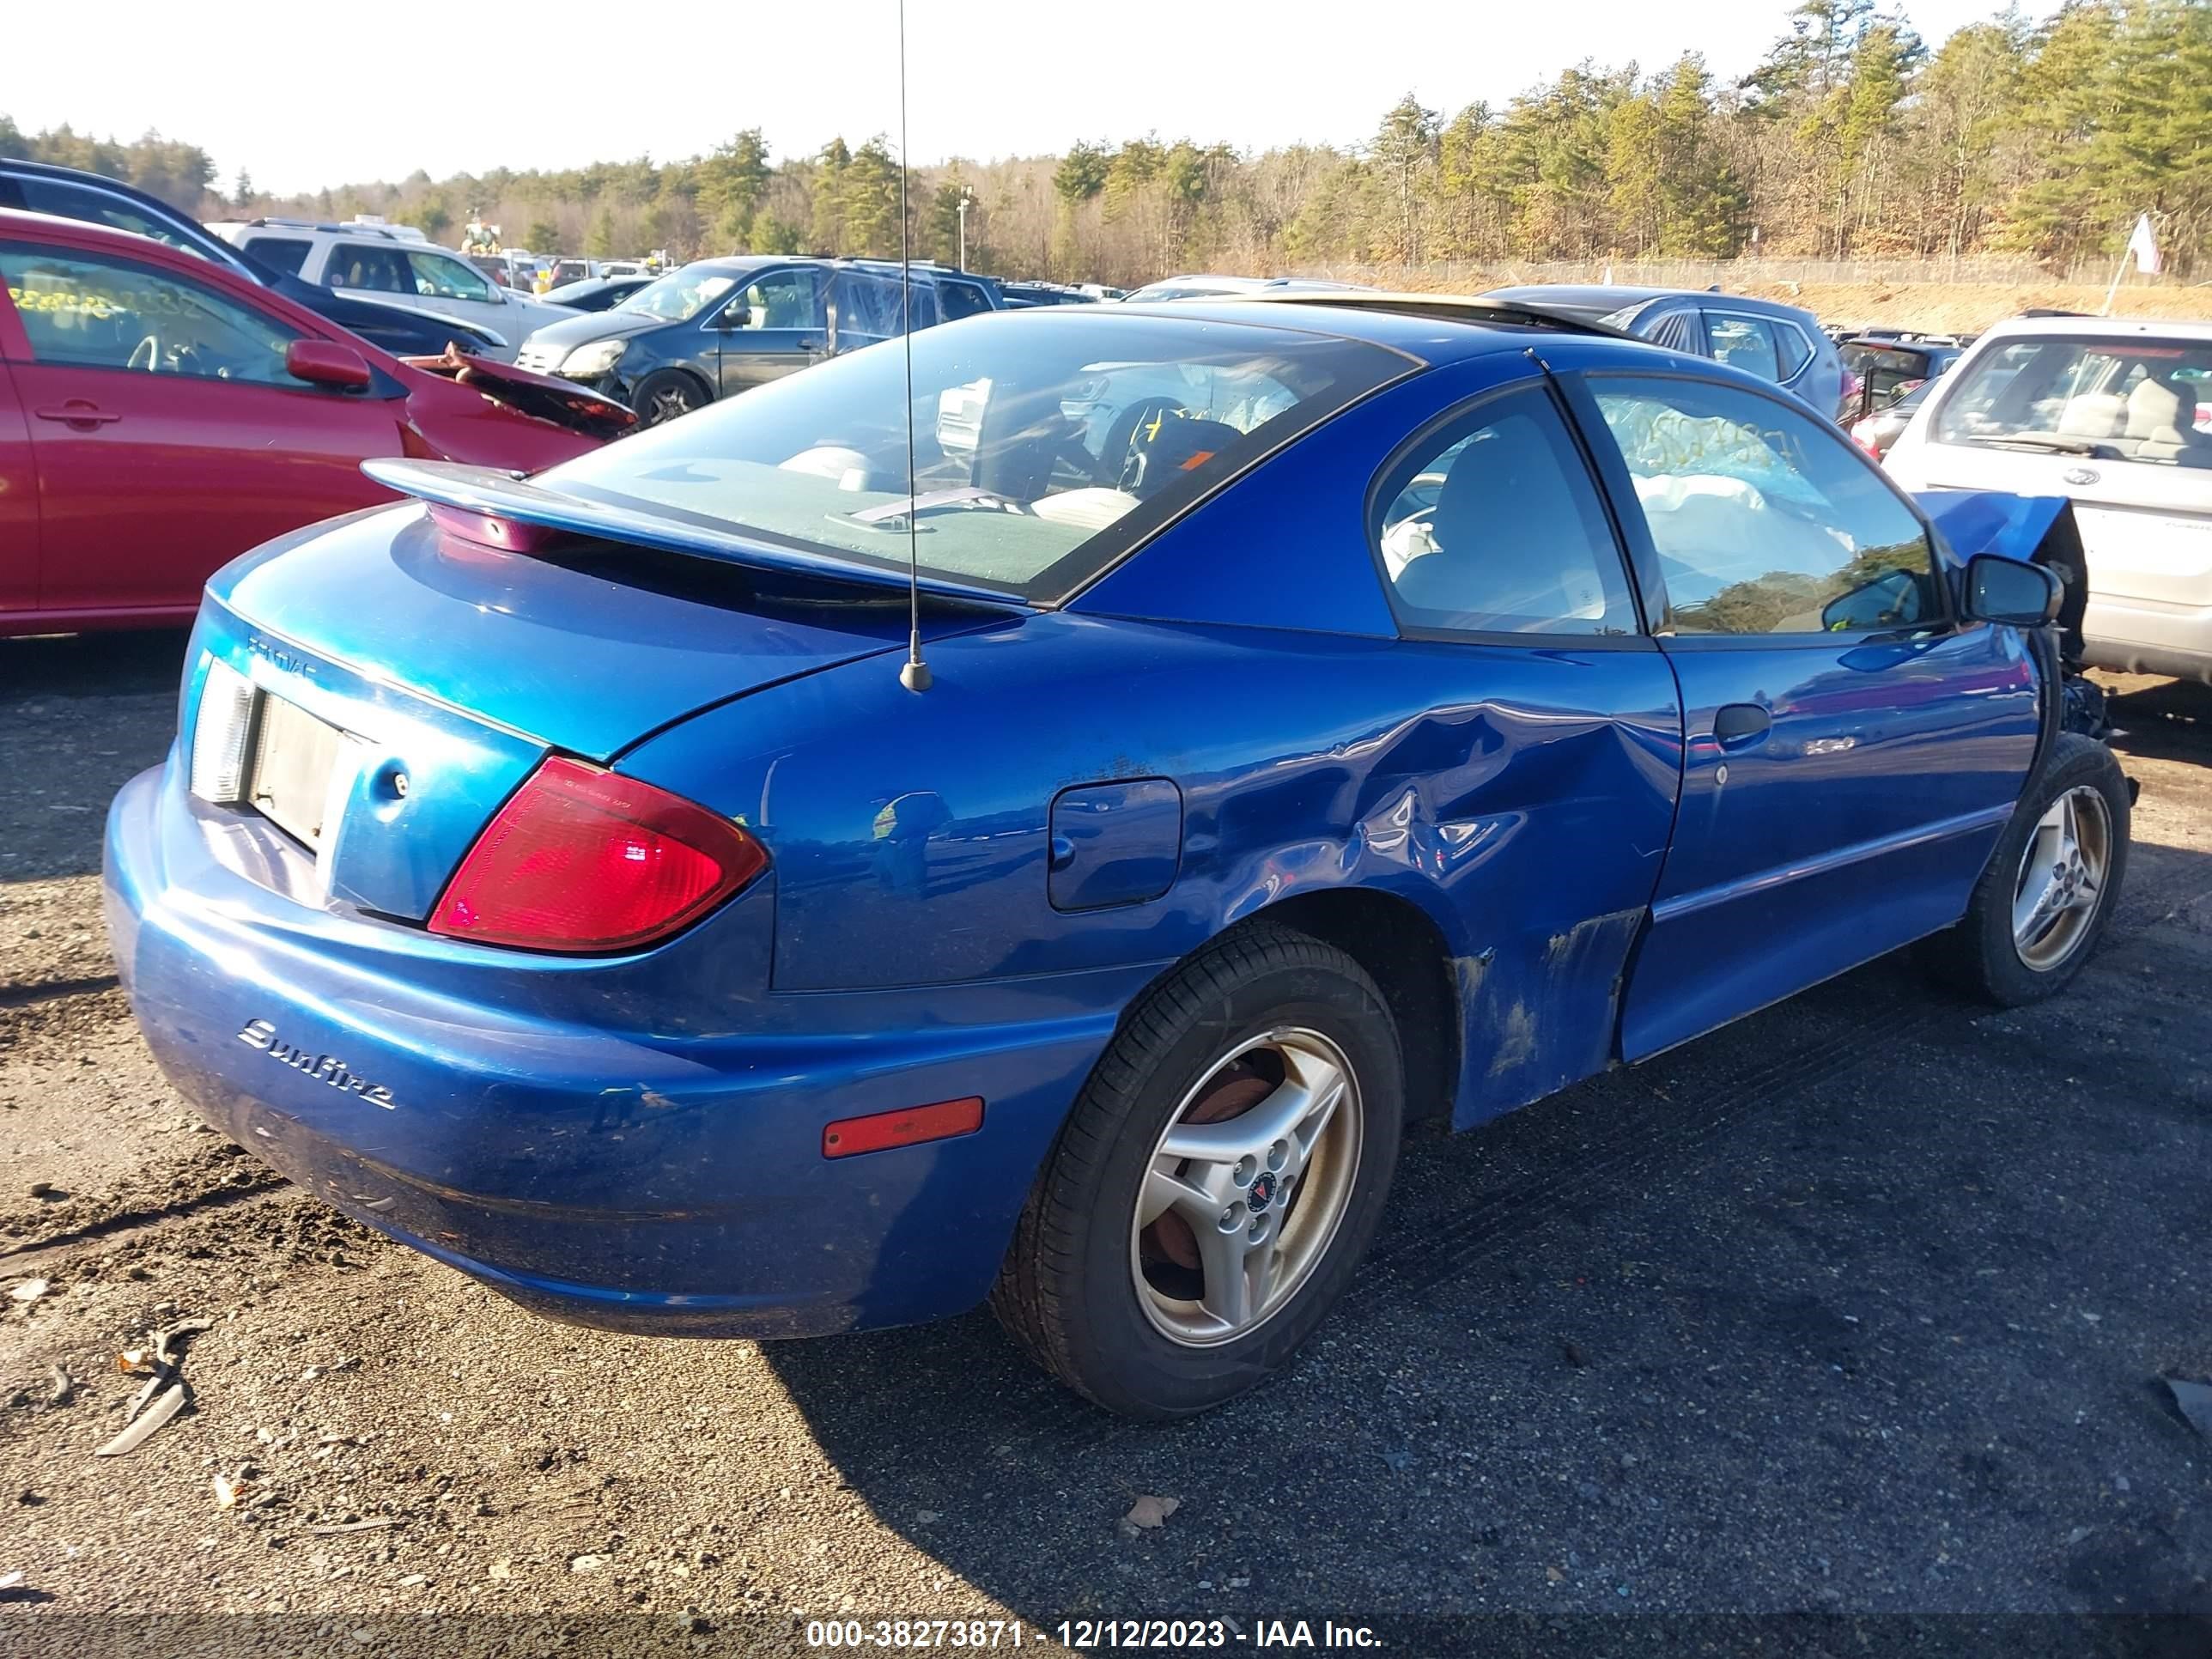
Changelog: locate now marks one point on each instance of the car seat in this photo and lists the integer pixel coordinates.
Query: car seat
(1513, 549)
(2162, 420)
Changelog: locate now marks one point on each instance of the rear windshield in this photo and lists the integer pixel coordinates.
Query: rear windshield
(1045, 443)
(1885, 370)
(2144, 400)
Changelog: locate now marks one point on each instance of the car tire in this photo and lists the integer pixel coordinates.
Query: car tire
(1244, 1043)
(665, 394)
(2066, 842)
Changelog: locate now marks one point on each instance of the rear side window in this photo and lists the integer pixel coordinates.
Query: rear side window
(2131, 399)
(1792, 350)
(1764, 520)
(97, 312)
(1493, 525)
(1744, 343)
(868, 307)
(284, 253)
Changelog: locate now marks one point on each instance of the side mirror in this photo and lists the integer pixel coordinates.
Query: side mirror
(2001, 590)
(326, 363)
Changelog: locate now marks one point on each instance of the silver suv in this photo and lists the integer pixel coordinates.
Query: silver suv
(393, 264)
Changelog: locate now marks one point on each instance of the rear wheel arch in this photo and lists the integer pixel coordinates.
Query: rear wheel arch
(1402, 948)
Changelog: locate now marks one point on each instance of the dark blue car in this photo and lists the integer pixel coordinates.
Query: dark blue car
(717, 327)
(623, 886)
(1781, 345)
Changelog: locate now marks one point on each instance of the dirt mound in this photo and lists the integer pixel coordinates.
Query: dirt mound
(1969, 307)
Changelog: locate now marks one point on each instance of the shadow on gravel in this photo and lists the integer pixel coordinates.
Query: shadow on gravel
(93, 665)
(2170, 722)
(1856, 1307)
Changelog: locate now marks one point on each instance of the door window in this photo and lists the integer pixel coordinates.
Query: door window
(1764, 520)
(440, 277)
(783, 299)
(368, 267)
(1744, 343)
(1494, 527)
(284, 253)
(100, 312)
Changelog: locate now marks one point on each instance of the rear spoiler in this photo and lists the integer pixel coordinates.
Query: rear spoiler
(525, 515)
(562, 403)
(1447, 308)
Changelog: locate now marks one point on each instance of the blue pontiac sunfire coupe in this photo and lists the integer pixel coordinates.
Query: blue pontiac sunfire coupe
(1337, 713)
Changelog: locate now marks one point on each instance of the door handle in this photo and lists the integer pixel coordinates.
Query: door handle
(1737, 723)
(76, 412)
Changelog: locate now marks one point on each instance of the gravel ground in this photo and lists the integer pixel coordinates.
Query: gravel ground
(1859, 1307)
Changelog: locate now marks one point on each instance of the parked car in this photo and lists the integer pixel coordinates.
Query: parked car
(1779, 343)
(1878, 367)
(37, 187)
(377, 261)
(1229, 288)
(1878, 432)
(596, 292)
(161, 413)
(2110, 412)
(1018, 295)
(716, 327)
(1386, 725)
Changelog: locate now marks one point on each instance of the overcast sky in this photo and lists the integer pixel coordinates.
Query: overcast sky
(311, 93)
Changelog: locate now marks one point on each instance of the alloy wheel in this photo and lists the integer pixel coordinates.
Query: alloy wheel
(2064, 870)
(1246, 1188)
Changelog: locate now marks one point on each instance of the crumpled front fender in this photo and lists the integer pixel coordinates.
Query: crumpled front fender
(1972, 521)
(2032, 529)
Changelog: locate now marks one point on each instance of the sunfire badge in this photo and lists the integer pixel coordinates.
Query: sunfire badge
(324, 1068)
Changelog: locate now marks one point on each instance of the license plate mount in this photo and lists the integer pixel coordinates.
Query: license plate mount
(296, 771)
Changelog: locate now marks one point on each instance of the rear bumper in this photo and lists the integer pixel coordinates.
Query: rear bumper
(2148, 637)
(617, 1177)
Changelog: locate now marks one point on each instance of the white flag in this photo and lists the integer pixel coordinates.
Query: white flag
(2144, 246)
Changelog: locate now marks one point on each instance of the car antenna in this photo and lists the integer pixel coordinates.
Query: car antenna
(915, 675)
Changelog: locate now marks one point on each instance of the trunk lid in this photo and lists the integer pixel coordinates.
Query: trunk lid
(422, 674)
(587, 649)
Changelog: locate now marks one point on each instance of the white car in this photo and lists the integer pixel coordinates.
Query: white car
(394, 265)
(2116, 414)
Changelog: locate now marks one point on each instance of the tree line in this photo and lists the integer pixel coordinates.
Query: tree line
(1850, 139)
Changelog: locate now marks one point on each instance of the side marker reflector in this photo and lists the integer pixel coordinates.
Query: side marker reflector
(907, 1127)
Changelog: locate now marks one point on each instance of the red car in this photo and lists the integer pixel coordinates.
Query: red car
(159, 417)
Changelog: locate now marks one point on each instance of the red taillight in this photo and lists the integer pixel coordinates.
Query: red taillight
(1862, 436)
(584, 860)
(909, 1126)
